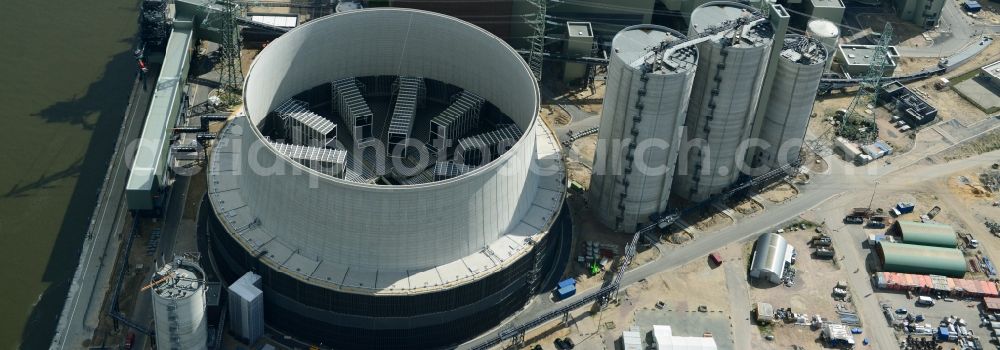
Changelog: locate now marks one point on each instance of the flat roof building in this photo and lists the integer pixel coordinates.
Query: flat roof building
(666, 340)
(912, 258)
(855, 59)
(992, 72)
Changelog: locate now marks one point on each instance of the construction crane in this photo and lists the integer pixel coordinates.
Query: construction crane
(157, 282)
(859, 121)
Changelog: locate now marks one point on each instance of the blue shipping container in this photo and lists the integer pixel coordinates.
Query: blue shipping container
(943, 333)
(566, 282)
(904, 208)
(566, 292)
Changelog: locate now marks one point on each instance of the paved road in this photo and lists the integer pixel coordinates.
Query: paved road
(91, 281)
(739, 303)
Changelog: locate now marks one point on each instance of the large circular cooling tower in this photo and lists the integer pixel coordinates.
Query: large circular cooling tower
(356, 264)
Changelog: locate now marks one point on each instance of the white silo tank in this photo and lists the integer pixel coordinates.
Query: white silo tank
(723, 100)
(827, 33)
(648, 86)
(798, 72)
(179, 305)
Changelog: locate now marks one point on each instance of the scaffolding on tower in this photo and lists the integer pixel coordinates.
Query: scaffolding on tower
(537, 39)
(859, 121)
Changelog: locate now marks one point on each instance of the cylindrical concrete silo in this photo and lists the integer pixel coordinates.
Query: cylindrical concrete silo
(726, 91)
(827, 33)
(648, 87)
(797, 76)
(179, 306)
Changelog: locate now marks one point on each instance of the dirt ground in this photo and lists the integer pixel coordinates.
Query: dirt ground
(779, 193)
(811, 294)
(554, 116)
(602, 329)
(588, 228)
(708, 221)
(986, 143)
(590, 102)
(903, 33)
(949, 104)
(747, 206)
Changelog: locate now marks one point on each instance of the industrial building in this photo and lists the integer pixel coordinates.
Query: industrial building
(854, 60)
(912, 108)
(150, 173)
(179, 304)
(724, 97)
(797, 75)
(828, 10)
(664, 339)
(925, 13)
(771, 254)
(992, 73)
(925, 233)
(246, 308)
(388, 254)
(648, 86)
(580, 43)
(918, 259)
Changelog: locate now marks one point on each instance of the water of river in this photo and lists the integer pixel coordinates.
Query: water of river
(65, 72)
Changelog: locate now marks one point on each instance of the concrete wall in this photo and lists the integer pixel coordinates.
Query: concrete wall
(393, 227)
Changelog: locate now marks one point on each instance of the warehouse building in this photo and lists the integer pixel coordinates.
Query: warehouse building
(770, 255)
(925, 233)
(912, 258)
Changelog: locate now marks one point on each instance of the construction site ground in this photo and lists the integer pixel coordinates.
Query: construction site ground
(904, 33)
(951, 105)
(780, 192)
(810, 294)
(586, 228)
(682, 290)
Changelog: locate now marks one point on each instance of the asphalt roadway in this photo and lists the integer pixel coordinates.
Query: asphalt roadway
(91, 281)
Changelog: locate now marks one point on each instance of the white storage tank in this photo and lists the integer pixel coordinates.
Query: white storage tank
(731, 66)
(798, 72)
(827, 33)
(648, 86)
(179, 305)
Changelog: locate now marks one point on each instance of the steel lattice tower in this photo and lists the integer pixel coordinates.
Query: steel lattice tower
(537, 22)
(858, 126)
(230, 69)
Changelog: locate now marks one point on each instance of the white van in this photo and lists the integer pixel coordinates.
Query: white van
(926, 301)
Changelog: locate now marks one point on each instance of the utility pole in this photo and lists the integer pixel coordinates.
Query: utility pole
(231, 66)
(537, 39)
(872, 200)
(858, 125)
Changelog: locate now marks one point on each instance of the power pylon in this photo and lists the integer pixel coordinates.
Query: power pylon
(858, 126)
(537, 39)
(230, 64)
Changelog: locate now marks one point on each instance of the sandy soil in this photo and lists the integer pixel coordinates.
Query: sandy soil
(746, 206)
(779, 193)
(554, 116)
(590, 102)
(588, 228)
(811, 294)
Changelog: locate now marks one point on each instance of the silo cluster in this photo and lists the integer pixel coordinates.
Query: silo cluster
(723, 99)
(690, 104)
(647, 95)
